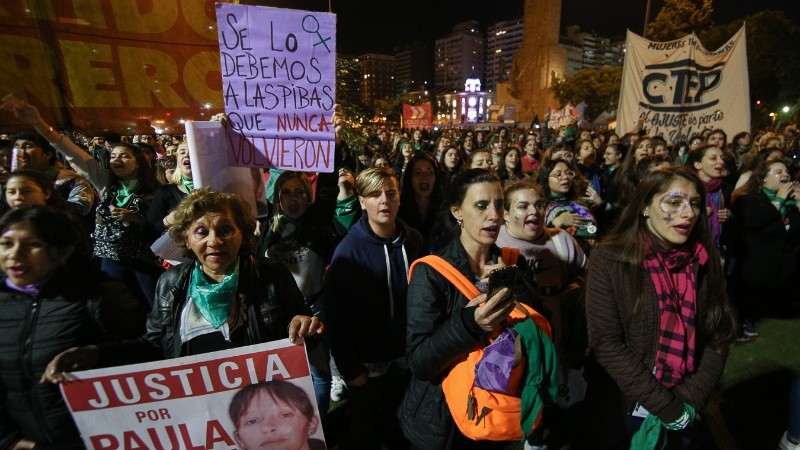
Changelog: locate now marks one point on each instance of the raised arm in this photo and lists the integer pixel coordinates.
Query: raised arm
(81, 160)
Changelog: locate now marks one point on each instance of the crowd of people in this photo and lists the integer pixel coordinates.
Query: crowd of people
(649, 259)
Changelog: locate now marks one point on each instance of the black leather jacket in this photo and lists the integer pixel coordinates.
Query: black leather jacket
(441, 332)
(268, 289)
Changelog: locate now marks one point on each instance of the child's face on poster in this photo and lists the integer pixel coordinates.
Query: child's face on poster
(271, 424)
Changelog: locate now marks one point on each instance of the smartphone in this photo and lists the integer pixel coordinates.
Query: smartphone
(500, 278)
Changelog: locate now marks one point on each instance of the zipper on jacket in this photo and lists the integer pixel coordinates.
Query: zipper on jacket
(27, 366)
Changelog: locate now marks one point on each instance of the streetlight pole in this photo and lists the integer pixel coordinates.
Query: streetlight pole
(646, 18)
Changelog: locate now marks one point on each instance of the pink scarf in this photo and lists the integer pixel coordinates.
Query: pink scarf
(673, 275)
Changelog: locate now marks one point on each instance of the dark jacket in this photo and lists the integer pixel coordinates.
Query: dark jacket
(75, 308)
(441, 332)
(266, 287)
(624, 339)
(764, 251)
(165, 200)
(365, 295)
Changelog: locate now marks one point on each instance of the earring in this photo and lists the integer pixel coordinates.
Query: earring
(460, 223)
(645, 214)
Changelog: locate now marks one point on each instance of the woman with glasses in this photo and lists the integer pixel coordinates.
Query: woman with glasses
(121, 235)
(564, 210)
(765, 243)
(659, 321)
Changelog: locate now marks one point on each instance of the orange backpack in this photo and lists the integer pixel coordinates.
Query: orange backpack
(485, 415)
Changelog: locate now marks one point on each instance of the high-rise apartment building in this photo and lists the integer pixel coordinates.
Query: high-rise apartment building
(588, 50)
(502, 41)
(378, 77)
(413, 68)
(459, 56)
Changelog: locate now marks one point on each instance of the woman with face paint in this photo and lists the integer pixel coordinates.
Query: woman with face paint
(659, 321)
(765, 243)
(556, 265)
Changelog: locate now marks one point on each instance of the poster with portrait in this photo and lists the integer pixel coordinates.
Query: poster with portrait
(259, 396)
(278, 86)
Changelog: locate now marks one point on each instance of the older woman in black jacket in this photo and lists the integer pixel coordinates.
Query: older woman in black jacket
(225, 298)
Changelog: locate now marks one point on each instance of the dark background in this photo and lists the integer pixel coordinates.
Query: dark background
(380, 25)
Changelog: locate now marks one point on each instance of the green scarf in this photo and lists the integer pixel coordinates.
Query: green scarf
(187, 183)
(214, 300)
(651, 435)
(773, 197)
(125, 192)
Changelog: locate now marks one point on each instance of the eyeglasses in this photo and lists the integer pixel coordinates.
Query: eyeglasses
(297, 193)
(559, 175)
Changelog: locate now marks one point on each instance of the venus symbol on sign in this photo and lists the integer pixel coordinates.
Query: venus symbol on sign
(313, 22)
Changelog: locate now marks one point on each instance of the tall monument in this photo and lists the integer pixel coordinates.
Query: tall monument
(539, 61)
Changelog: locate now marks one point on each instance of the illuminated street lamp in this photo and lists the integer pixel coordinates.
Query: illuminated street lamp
(786, 109)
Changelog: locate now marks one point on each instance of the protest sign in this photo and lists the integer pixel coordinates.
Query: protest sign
(278, 86)
(678, 88)
(207, 142)
(417, 116)
(188, 402)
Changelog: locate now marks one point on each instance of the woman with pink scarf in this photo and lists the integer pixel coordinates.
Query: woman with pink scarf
(659, 321)
(708, 162)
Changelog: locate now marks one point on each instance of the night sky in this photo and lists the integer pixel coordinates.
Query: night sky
(380, 25)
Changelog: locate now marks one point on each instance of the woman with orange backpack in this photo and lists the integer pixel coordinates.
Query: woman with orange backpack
(446, 327)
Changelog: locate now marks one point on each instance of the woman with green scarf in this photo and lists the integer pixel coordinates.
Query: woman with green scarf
(121, 236)
(226, 298)
(764, 242)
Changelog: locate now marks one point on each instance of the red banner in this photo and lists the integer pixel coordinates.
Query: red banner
(121, 65)
(419, 116)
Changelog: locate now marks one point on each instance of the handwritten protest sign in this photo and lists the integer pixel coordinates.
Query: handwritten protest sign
(188, 402)
(279, 86)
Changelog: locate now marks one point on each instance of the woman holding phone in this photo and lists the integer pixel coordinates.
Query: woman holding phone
(443, 325)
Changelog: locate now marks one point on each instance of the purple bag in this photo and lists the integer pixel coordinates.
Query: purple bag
(493, 371)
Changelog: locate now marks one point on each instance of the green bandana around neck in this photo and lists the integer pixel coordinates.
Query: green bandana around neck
(214, 300)
(773, 197)
(125, 193)
(187, 183)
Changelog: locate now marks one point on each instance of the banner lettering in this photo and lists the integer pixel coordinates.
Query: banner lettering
(678, 88)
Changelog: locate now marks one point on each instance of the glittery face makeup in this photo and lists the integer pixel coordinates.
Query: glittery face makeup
(672, 215)
(675, 202)
(525, 216)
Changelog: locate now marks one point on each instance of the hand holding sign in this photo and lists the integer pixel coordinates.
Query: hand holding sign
(279, 86)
